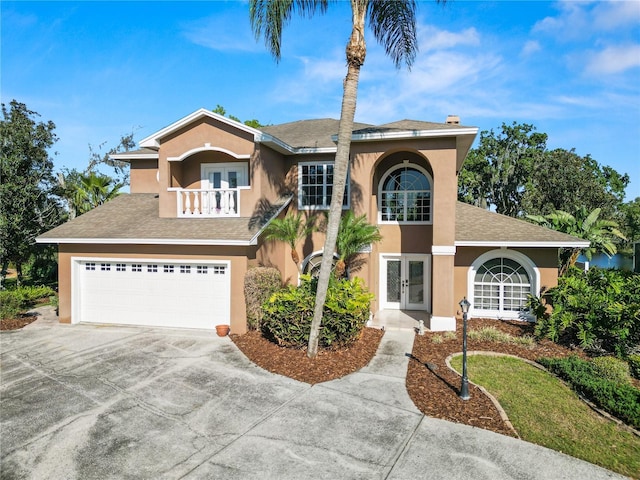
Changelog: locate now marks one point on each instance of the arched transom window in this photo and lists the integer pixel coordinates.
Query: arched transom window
(405, 196)
(501, 284)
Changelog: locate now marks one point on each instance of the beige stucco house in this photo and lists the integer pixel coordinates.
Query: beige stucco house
(174, 252)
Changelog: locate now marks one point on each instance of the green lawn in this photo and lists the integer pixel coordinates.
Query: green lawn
(545, 411)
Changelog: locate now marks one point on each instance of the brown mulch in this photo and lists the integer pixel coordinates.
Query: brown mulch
(431, 385)
(17, 323)
(294, 363)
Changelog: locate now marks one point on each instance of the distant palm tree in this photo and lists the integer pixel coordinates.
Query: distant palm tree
(290, 229)
(586, 225)
(355, 233)
(394, 26)
(93, 190)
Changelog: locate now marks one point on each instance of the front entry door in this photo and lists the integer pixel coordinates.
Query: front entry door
(405, 282)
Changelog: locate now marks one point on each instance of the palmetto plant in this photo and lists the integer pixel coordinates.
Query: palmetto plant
(394, 27)
(355, 233)
(290, 229)
(584, 224)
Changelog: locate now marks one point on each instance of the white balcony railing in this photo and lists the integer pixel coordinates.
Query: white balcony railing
(200, 203)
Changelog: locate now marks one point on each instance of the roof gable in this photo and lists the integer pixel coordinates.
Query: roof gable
(153, 140)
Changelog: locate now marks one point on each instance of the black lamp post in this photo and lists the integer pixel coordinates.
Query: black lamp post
(464, 388)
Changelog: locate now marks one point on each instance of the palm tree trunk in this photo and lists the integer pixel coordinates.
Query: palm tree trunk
(356, 51)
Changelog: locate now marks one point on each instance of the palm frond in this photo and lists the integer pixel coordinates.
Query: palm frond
(393, 23)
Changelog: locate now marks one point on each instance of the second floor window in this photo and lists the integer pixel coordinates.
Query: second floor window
(315, 186)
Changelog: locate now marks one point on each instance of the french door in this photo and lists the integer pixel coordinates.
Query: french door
(404, 282)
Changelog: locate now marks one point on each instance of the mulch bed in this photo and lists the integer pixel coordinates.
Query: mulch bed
(294, 363)
(434, 388)
(17, 323)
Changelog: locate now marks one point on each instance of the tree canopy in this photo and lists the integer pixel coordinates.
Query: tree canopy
(28, 206)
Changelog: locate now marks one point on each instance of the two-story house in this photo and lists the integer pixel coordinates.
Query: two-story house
(174, 252)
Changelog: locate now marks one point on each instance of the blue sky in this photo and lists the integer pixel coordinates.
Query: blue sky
(102, 69)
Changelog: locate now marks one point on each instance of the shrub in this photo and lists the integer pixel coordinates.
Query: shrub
(634, 366)
(611, 368)
(289, 312)
(599, 310)
(14, 302)
(259, 284)
(10, 304)
(619, 399)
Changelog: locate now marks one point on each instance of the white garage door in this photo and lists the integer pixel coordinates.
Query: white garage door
(154, 293)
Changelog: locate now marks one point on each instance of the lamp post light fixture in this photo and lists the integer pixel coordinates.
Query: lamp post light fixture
(464, 388)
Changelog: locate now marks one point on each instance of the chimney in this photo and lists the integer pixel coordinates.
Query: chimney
(453, 120)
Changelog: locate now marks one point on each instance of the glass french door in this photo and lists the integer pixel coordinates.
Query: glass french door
(405, 282)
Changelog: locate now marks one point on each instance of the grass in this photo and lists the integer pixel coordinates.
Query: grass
(545, 411)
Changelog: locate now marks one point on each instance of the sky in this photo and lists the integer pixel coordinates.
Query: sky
(100, 70)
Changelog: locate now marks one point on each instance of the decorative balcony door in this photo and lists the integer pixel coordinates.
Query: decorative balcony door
(226, 177)
(405, 282)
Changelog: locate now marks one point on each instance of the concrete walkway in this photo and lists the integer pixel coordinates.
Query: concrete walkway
(91, 402)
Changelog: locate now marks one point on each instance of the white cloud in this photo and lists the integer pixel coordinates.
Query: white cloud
(530, 48)
(585, 19)
(222, 33)
(432, 38)
(612, 60)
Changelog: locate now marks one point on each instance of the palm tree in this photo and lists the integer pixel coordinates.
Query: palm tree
(584, 224)
(394, 27)
(290, 229)
(93, 190)
(355, 233)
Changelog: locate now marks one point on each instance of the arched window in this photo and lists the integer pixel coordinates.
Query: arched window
(405, 195)
(500, 283)
(311, 264)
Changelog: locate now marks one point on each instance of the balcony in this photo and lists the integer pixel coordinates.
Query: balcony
(208, 203)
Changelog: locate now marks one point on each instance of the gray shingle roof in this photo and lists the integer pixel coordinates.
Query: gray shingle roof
(135, 217)
(475, 225)
(308, 133)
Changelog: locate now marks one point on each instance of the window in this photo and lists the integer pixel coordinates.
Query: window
(90, 266)
(202, 269)
(218, 270)
(168, 268)
(185, 268)
(121, 267)
(405, 195)
(136, 267)
(311, 264)
(315, 186)
(152, 268)
(501, 284)
(105, 267)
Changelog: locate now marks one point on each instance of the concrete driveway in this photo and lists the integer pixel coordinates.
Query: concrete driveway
(90, 402)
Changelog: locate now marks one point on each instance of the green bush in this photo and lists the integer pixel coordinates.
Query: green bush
(14, 302)
(10, 304)
(289, 312)
(619, 399)
(611, 368)
(599, 310)
(634, 366)
(259, 284)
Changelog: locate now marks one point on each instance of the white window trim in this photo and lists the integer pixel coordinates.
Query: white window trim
(320, 207)
(243, 167)
(381, 183)
(522, 259)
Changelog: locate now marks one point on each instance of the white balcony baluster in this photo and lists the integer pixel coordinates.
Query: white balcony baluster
(208, 203)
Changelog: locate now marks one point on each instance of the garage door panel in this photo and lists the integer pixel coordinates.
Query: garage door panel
(188, 295)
